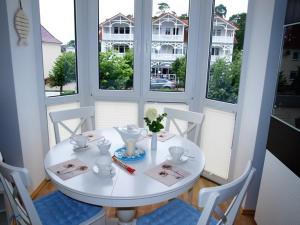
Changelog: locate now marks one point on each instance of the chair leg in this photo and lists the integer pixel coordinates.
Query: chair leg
(190, 195)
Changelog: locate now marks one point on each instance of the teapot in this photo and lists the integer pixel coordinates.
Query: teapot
(130, 134)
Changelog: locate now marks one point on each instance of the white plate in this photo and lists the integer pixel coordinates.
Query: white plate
(96, 171)
(80, 149)
(182, 160)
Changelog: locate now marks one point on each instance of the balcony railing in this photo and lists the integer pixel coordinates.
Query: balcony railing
(164, 37)
(117, 37)
(222, 39)
(166, 57)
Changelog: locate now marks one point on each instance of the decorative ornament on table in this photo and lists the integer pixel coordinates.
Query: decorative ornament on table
(153, 121)
(21, 25)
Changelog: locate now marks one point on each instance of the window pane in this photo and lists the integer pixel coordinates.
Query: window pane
(227, 41)
(116, 43)
(287, 102)
(58, 46)
(169, 45)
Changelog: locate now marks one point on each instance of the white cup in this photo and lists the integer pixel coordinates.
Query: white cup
(176, 152)
(79, 141)
(104, 166)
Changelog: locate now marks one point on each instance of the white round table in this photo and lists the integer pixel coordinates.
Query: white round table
(124, 189)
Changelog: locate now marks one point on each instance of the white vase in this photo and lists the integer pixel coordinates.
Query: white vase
(154, 141)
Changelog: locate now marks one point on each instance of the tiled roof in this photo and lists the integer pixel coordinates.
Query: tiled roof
(48, 37)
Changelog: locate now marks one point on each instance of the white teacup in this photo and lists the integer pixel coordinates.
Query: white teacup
(104, 167)
(176, 152)
(79, 141)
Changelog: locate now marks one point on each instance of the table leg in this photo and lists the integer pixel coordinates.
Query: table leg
(126, 216)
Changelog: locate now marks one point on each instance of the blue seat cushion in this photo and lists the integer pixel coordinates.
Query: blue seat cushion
(176, 212)
(58, 209)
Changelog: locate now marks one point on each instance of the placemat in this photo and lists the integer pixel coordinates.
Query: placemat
(69, 169)
(167, 173)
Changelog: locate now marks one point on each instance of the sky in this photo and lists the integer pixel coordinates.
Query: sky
(57, 16)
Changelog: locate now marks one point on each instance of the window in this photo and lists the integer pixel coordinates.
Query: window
(116, 30)
(287, 101)
(295, 55)
(215, 51)
(116, 66)
(229, 33)
(168, 30)
(226, 59)
(169, 39)
(175, 31)
(293, 75)
(59, 47)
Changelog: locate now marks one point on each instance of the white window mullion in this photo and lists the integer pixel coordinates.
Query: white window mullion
(198, 54)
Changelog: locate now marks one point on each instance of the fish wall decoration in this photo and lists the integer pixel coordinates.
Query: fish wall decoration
(21, 25)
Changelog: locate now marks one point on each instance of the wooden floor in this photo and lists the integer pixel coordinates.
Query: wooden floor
(241, 219)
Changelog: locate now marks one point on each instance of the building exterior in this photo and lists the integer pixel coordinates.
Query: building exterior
(51, 47)
(169, 40)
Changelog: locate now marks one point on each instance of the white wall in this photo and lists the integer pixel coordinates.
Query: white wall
(26, 91)
(10, 143)
(50, 53)
(263, 38)
(279, 194)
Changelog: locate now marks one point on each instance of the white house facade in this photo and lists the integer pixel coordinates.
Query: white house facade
(169, 40)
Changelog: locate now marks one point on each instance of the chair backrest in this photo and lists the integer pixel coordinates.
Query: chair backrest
(210, 198)
(194, 120)
(85, 114)
(15, 181)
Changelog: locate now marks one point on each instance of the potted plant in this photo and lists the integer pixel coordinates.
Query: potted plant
(154, 123)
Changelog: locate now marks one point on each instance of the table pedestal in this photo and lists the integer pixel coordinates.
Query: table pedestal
(126, 215)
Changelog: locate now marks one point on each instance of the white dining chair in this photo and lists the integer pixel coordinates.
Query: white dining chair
(52, 209)
(194, 120)
(180, 212)
(85, 114)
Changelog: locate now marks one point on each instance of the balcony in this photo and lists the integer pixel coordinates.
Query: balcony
(164, 37)
(117, 37)
(222, 39)
(166, 57)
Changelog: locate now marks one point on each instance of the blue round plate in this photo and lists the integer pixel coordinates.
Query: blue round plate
(121, 154)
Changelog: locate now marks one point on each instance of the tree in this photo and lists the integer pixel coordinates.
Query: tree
(221, 10)
(71, 43)
(240, 21)
(184, 16)
(179, 68)
(63, 71)
(116, 72)
(224, 79)
(163, 7)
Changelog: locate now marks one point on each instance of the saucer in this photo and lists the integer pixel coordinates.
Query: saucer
(182, 160)
(96, 171)
(80, 149)
(139, 154)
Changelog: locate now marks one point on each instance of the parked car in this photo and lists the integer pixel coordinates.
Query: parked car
(162, 83)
